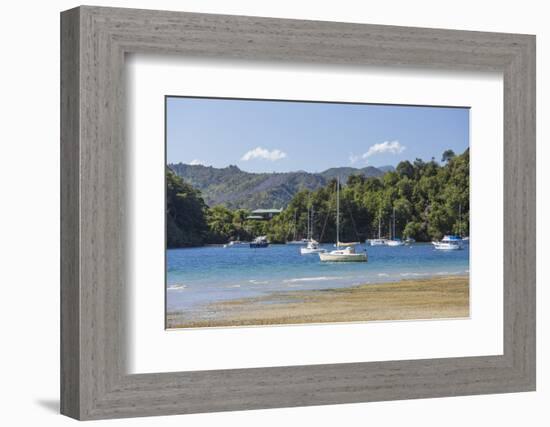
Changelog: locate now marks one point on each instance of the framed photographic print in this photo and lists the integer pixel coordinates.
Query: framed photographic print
(261, 213)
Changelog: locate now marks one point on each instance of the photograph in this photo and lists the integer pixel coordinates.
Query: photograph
(292, 212)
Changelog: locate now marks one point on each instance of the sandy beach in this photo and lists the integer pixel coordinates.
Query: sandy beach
(431, 298)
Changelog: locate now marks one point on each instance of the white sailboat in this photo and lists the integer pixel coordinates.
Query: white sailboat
(394, 241)
(312, 246)
(348, 253)
(379, 241)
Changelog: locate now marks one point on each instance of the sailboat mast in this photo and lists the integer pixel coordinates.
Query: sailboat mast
(393, 223)
(308, 222)
(337, 211)
(460, 220)
(379, 225)
(295, 224)
(311, 224)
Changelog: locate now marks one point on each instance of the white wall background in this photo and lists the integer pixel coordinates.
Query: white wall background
(29, 224)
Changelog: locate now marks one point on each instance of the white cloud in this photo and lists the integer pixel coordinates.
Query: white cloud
(196, 162)
(391, 147)
(264, 153)
(353, 158)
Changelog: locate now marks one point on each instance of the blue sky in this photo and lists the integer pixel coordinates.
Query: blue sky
(271, 136)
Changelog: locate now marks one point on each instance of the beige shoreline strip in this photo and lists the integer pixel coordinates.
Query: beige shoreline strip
(433, 298)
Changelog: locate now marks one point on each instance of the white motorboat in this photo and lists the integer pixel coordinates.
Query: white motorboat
(453, 242)
(347, 254)
(448, 243)
(259, 242)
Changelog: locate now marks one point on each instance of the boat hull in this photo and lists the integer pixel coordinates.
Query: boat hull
(447, 246)
(330, 257)
(259, 245)
(395, 243)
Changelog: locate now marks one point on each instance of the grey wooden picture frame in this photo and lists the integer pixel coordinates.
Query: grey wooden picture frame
(94, 381)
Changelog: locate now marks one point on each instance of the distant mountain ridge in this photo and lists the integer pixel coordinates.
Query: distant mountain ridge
(236, 188)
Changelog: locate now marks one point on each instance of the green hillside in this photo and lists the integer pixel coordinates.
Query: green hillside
(237, 189)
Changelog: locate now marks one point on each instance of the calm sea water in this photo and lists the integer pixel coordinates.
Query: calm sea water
(198, 276)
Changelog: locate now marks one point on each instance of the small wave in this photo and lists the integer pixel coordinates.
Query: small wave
(258, 282)
(233, 286)
(383, 275)
(177, 287)
(311, 279)
(447, 273)
(413, 274)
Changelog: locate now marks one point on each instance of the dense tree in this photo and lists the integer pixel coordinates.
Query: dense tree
(185, 213)
(447, 155)
(405, 168)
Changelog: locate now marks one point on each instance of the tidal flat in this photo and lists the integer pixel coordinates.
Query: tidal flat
(440, 297)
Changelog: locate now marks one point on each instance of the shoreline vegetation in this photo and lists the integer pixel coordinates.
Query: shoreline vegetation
(438, 297)
(428, 200)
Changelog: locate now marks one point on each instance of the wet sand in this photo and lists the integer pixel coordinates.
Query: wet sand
(432, 298)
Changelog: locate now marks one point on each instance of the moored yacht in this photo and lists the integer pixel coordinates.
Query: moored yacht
(312, 247)
(448, 243)
(394, 241)
(379, 241)
(259, 242)
(347, 254)
(452, 242)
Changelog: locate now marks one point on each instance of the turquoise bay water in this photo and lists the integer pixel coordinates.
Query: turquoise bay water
(199, 276)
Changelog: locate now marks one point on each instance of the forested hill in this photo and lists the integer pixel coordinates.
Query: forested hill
(238, 189)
